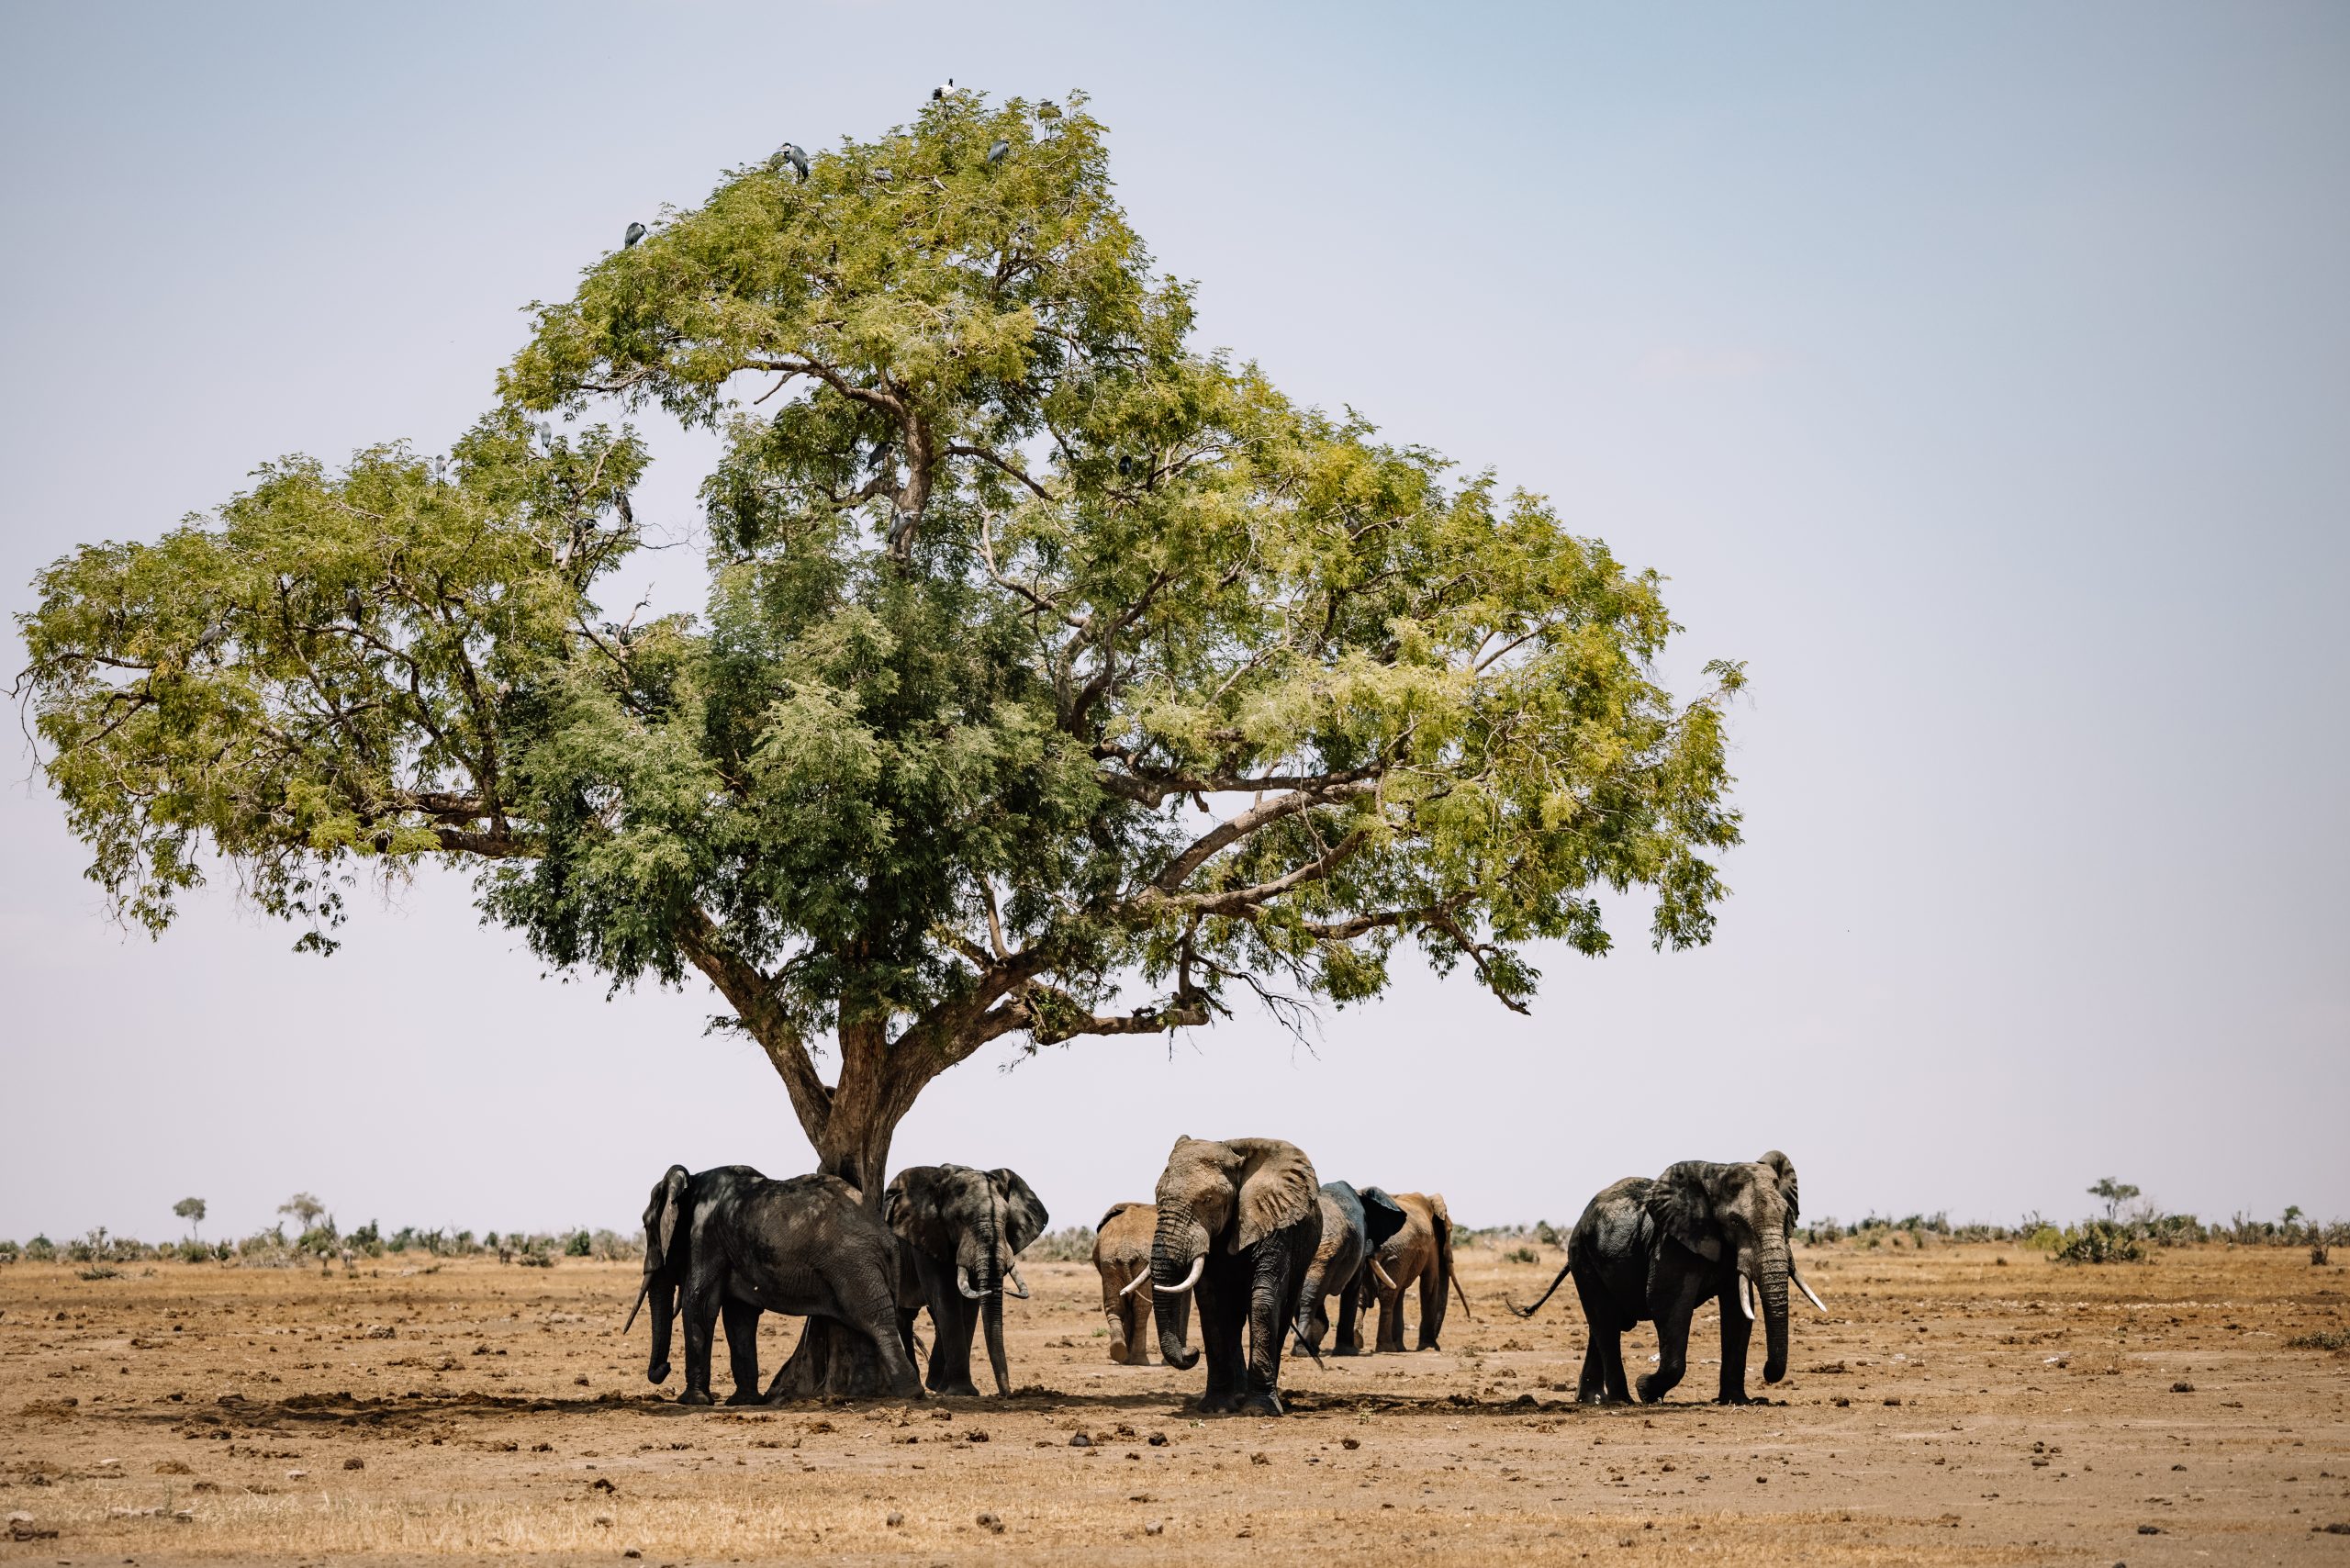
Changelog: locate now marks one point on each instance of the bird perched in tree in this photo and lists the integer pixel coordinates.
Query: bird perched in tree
(789, 152)
(901, 534)
(635, 232)
(943, 91)
(1126, 466)
(999, 153)
(885, 176)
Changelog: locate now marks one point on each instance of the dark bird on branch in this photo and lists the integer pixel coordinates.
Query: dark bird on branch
(635, 232)
(789, 152)
(999, 153)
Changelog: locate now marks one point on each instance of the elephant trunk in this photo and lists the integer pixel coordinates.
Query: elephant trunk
(992, 1321)
(665, 1312)
(1772, 1282)
(1178, 1255)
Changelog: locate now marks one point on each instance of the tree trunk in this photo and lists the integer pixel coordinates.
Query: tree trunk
(832, 1360)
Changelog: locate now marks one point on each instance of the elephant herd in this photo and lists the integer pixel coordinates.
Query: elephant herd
(1242, 1236)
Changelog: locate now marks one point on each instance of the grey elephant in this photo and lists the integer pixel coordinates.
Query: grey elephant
(962, 1227)
(1237, 1224)
(729, 1241)
(1657, 1249)
(1353, 1227)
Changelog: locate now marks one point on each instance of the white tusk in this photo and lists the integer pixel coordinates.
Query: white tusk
(1199, 1266)
(1019, 1285)
(1135, 1283)
(1746, 1296)
(1807, 1291)
(642, 1291)
(1385, 1282)
(963, 1283)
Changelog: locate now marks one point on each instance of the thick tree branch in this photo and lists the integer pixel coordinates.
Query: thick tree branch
(752, 995)
(1264, 814)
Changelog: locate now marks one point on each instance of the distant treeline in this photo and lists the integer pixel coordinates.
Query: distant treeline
(2123, 1236)
(101, 1253)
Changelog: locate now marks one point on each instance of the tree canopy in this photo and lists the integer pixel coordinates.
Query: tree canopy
(1057, 678)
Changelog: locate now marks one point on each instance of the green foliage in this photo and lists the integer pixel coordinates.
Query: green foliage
(41, 1250)
(2335, 1340)
(190, 1210)
(368, 1240)
(1045, 654)
(579, 1244)
(1073, 1244)
(10, 1251)
(1521, 1255)
(2115, 1194)
(2100, 1242)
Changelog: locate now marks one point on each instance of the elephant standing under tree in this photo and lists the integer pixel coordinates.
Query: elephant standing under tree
(964, 1227)
(1121, 1254)
(1659, 1248)
(1419, 1253)
(1353, 1225)
(730, 1241)
(1237, 1224)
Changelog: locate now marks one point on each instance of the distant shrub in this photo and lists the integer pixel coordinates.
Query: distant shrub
(41, 1249)
(611, 1246)
(99, 1272)
(318, 1241)
(2337, 1340)
(2044, 1238)
(194, 1252)
(579, 1244)
(1521, 1255)
(368, 1240)
(10, 1252)
(1549, 1235)
(2101, 1242)
(1073, 1244)
(402, 1239)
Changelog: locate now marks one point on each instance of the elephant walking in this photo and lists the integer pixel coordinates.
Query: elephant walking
(731, 1241)
(1353, 1225)
(1237, 1224)
(1122, 1256)
(1658, 1250)
(1420, 1253)
(964, 1228)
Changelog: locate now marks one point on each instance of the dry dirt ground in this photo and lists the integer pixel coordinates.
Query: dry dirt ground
(1966, 1404)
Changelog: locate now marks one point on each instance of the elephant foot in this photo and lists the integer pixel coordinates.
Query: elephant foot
(1649, 1390)
(1727, 1396)
(1265, 1402)
(1346, 1349)
(746, 1396)
(966, 1389)
(1430, 1345)
(696, 1397)
(1219, 1404)
(1118, 1349)
(657, 1373)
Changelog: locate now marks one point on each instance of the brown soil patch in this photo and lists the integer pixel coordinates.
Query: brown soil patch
(481, 1411)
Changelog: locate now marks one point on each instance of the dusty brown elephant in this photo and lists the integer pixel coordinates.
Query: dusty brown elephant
(1122, 1253)
(1421, 1253)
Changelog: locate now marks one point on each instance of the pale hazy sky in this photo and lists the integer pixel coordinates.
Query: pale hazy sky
(1979, 374)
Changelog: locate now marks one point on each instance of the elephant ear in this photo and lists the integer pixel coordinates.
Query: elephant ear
(1680, 1204)
(1278, 1189)
(661, 1236)
(1383, 1216)
(1024, 1217)
(1783, 1169)
(911, 1207)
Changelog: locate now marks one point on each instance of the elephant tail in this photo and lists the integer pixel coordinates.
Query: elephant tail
(1564, 1269)
(1444, 1256)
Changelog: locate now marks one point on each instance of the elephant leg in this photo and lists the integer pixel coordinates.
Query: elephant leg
(1681, 1298)
(1737, 1330)
(1350, 1318)
(1391, 1317)
(1317, 1323)
(951, 1325)
(1138, 1314)
(1270, 1314)
(1432, 1305)
(1602, 1381)
(742, 1322)
(703, 1295)
(1113, 1308)
(1220, 1330)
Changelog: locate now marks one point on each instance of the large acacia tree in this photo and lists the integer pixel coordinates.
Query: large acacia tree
(1058, 678)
